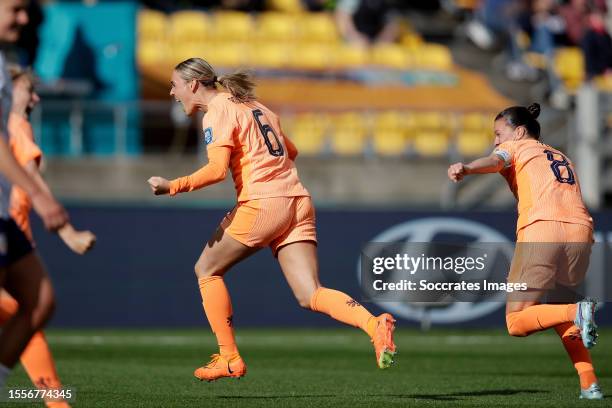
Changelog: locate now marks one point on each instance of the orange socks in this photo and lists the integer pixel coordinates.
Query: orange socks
(570, 336)
(36, 358)
(343, 308)
(539, 317)
(218, 309)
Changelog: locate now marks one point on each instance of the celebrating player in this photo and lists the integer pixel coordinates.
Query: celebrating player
(273, 210)
(36, 358)
(554, 235)
(21, 272)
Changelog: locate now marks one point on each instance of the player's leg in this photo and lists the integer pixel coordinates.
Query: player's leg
(535, 263)
(297, 254)
(220, 253)
(36, 358)
(27, 281)
(298, 261)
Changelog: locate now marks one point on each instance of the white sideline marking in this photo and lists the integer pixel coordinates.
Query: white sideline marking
(413, 339)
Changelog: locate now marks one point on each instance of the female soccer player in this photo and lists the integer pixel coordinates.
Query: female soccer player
(21, 272)
(273, 209)
(554, 235)
(36, 358)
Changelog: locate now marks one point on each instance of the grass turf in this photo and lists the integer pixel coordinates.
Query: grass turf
(320, 368)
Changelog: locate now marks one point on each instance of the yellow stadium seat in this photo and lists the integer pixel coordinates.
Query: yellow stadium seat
(474, 121)
(389, 120)
(152, 25)
(189, 26)
(390, 55)
(431, 143)
(318, 28)
(471, 143)
(312, 56)
(346, 56)
(431, 120)
(273, 26)
(569, 66)
(188, 50)
(389, 134)
(392, 142)
(307, 132)
(349, 134)
(269, 55)
(433, 56)
(287, 6)
(152, 52)
(604, 83)
(227, 54)
(232, 26)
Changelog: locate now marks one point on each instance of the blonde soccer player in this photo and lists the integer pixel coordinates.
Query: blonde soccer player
(21, 272)
(554, 235)
(36, 358)
(273, 210)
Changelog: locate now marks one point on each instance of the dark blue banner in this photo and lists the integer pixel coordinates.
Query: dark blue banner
(141, 271)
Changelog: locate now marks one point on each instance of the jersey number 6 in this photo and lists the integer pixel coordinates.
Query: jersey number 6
(275, 149)
(556, 165)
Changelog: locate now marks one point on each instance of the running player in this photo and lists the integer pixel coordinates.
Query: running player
(554, 236)
(21, 272)
(273, 210)
(36, 358)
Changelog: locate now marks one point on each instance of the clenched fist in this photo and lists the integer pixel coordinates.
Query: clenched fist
(456, 172)
(159, 185)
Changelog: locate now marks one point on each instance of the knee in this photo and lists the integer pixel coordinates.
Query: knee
(205, 269)
(39, 312)
(514, 326)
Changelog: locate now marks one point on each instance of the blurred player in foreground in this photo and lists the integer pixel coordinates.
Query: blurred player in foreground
(36, 358)
(554, 236)
(21, 272)
(273, 210)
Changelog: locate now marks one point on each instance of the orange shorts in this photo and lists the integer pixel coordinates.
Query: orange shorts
(273, 222)
(551, 252)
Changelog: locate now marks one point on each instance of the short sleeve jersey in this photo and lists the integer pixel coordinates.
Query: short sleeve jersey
(259, 160)
(544, 181)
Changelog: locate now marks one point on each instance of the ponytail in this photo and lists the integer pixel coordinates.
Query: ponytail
(240, 83)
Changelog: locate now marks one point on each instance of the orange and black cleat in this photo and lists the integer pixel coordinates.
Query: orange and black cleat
(221, 366)
(383, 340)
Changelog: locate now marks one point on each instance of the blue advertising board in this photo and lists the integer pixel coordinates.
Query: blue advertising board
(140, 274)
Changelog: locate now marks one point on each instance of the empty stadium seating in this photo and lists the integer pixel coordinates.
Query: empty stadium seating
(276, 40)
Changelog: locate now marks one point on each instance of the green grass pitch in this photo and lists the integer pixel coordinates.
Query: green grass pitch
(321, 368)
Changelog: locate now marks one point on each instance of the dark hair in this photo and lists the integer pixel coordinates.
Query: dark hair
(516, 116)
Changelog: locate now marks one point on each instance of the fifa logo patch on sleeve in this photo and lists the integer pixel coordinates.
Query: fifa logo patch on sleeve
(208, 136)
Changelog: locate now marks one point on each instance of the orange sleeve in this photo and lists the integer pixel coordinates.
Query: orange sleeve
(22, 141)
(213, 172)
(219, 127)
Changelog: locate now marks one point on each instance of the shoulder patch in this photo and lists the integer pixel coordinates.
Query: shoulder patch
(208, 136)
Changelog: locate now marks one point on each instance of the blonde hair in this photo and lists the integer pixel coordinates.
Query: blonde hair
(239, 83)
(17, 71)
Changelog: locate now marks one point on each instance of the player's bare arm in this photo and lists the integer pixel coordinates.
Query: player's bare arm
(483, 165)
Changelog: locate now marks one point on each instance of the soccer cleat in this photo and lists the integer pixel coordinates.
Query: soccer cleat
(383, 340)
(221, 366)
(592, 393)
(585, 320)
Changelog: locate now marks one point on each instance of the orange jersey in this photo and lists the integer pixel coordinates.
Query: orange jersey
(544, 182)
(261, 159)
(25, 150)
